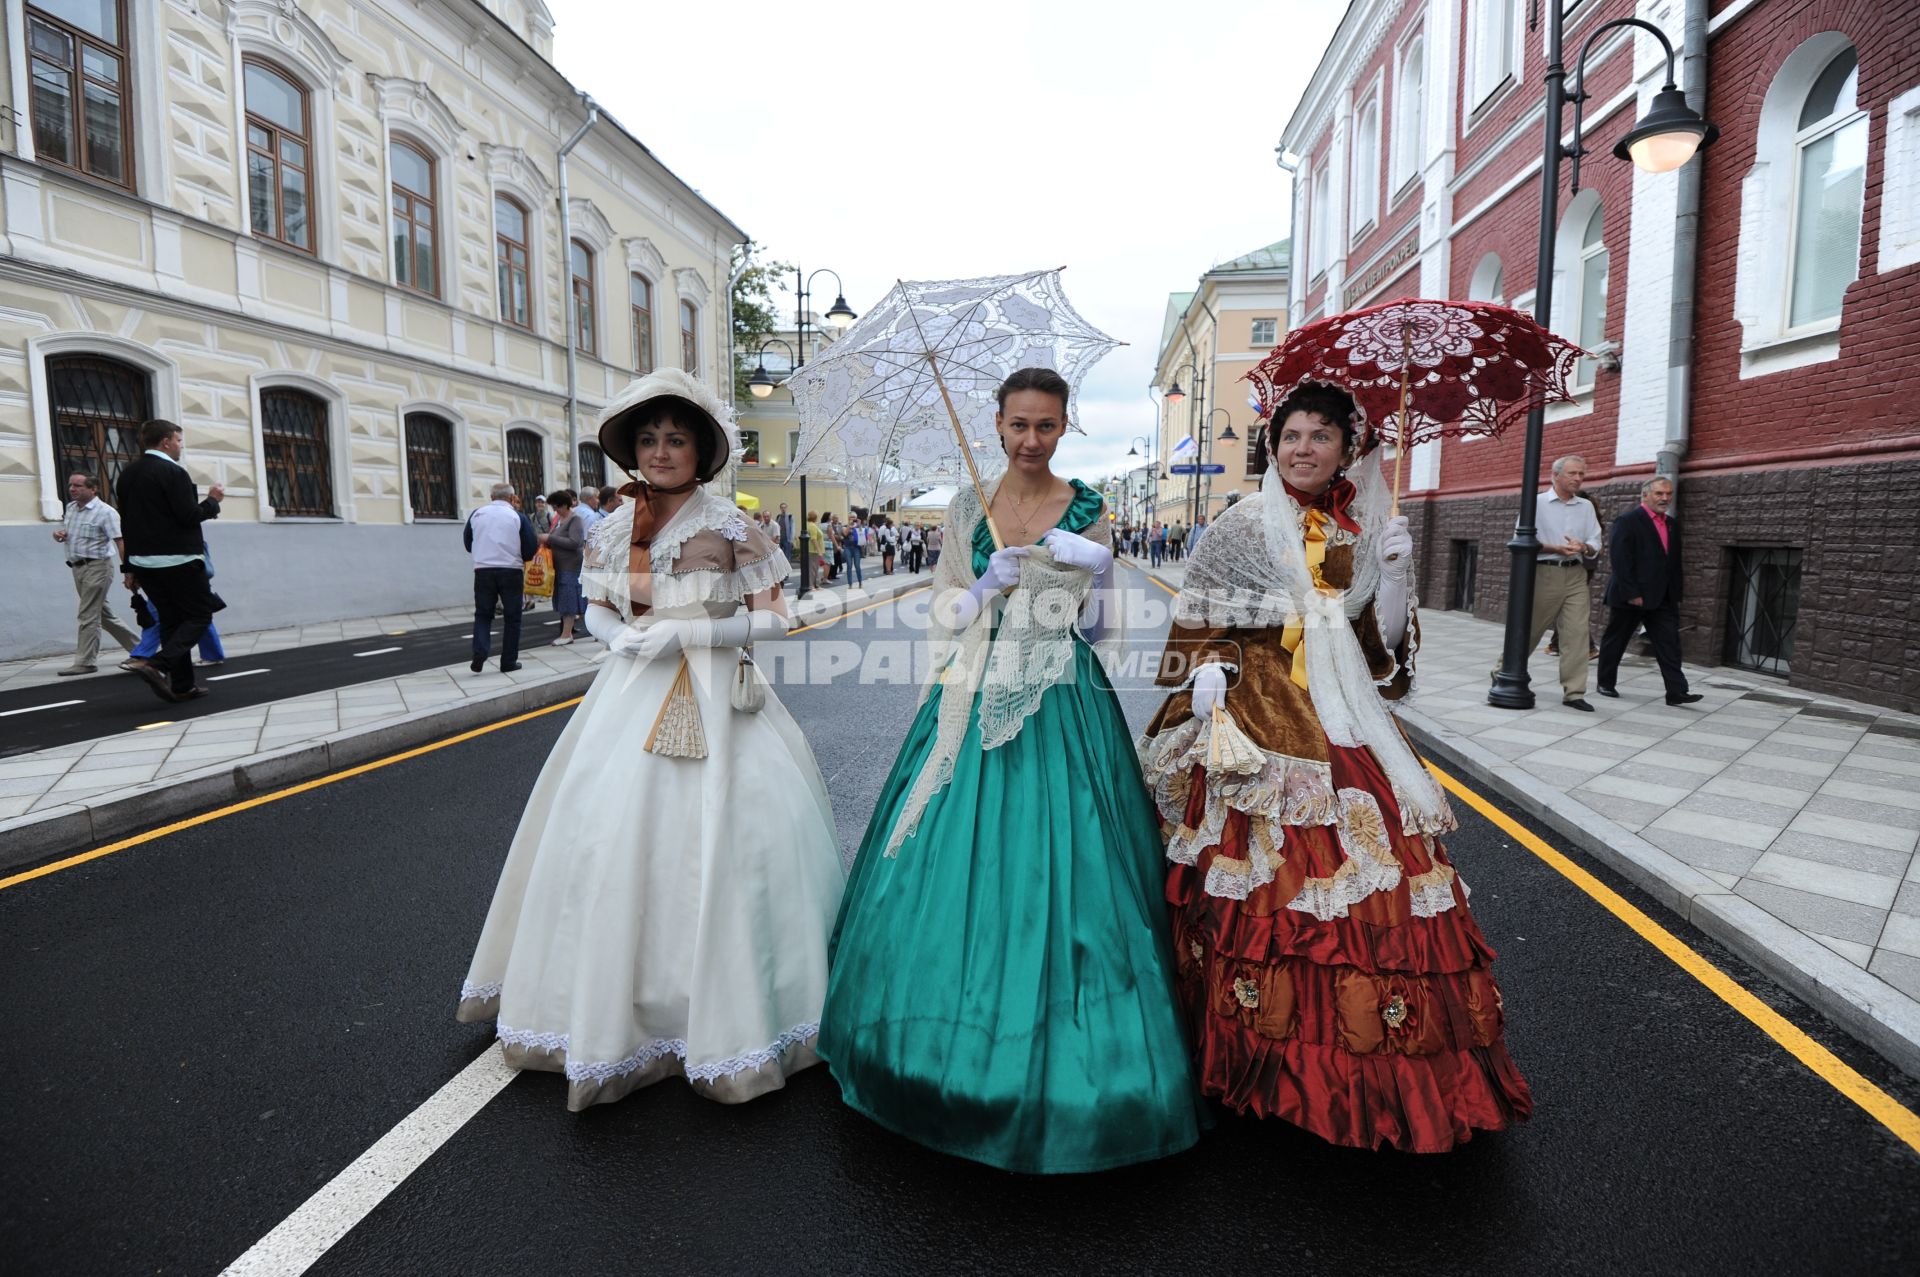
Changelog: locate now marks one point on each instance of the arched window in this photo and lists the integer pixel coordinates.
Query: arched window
(1366, 167)
(510, 241)
(640, 295)
(430, 466)
(299, 458)
(690, 337)
(98, 406)
(581, 263)
(415, 221)
(77, 58)
(279, 156)
(1489, 281)
(1830, 167)
(593, 467)
(1590, 297)
(1410, 112)
(526, 464)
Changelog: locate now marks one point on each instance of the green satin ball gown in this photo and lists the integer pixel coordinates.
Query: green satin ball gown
(1002, 989)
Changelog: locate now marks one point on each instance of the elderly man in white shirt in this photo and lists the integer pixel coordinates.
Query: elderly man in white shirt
(1569, 534)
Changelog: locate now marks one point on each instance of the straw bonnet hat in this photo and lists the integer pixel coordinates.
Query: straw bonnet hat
(696, 407)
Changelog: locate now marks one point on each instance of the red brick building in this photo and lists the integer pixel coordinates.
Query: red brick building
(1792, 418)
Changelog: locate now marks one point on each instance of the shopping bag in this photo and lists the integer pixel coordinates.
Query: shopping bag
(537, 577)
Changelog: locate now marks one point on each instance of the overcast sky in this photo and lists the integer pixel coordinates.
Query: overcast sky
(1132, 142)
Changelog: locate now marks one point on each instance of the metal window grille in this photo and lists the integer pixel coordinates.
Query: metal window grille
(299, 460)
(1466, 571)
(430, 467)
(1763, 604)
(593, 466)
(98, 407)
(525, 469)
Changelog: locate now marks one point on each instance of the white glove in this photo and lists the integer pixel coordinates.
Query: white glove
(1076, 551)
(662, 638)
(1003, 569)
(605, 624)
(1209, 690)
(1395, 548)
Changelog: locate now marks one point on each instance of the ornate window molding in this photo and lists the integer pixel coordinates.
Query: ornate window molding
(644, 259)
(339, 446)
(164, 397)
(589, 225)
(279, 32)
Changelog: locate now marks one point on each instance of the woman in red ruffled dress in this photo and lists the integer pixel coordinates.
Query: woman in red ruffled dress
(1331, 970)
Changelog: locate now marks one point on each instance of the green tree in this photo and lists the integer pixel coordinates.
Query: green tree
(754, 317)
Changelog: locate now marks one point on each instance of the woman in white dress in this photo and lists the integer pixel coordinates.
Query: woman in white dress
(665, 905)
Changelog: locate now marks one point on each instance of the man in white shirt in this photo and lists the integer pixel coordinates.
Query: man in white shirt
(1569, 534)
(91, 534)
(501, 540)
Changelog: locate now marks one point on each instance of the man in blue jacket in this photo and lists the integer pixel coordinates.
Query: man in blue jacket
(1645, 590)
(501, 540)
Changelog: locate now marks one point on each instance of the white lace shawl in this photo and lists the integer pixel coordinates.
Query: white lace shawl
(1008, 669)
(604, 572)
(1251, 572)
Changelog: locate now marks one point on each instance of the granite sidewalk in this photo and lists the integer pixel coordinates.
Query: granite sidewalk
(71, 797)
(1780, 822)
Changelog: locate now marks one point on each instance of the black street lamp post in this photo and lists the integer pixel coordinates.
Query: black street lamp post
(1226, 435)
(761, 384)
(1661, 141)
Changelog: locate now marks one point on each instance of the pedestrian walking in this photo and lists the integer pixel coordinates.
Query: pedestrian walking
(166, 554)
(817, 545)
(90, 533)
(1158, 542)
(211, 650)
(936, 538)
(1003, 913)
(666, 902)
(916, 548)
(1332, 972)
(889, 547)
(1193, 537)
(783, 522)
(1643, 550)
(853, 547)
(610, 499)
(1569, 535)
(565, 539)
(1177, 542)
(542, 515)
(501, 540)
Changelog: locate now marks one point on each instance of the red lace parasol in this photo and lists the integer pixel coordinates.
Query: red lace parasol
(1440, 367)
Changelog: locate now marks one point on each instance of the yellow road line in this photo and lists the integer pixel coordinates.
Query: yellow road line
(333, 777)
(857, 611)
(1835, 1072)
(1882, 1107)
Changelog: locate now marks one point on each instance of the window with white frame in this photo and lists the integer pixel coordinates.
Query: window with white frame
(1830, 167)
(1319, 213)
(1493, 30)
(1587, 298)
(1265, 333)
(1409, 112)
(1489, 280)
(750, 447)
(1366, 166)
(279, 155)
(793, 445)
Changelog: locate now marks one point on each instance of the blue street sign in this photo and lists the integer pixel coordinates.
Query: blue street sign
(1190, 468)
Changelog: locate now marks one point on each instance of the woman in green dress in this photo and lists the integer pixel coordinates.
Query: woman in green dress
(1000, 985)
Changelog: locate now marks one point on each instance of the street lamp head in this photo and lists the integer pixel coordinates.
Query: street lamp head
(1667, 135)
(1174, 393)
(761, 384)
(1132, 451)
(1227, 435)
(840, 315)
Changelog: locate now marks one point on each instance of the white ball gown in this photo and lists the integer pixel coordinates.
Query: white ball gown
(660, 915)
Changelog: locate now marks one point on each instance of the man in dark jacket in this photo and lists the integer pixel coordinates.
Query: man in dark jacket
(1644, 589)
(167, 554)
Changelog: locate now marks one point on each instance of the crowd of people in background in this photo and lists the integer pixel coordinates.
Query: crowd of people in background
(1159, 543)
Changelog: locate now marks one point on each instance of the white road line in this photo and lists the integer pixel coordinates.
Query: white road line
(378, 651)
(236, 674)
(299, 1240)
(31, 708)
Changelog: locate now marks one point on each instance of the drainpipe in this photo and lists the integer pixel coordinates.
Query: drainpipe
(1686, 255)
(566, 279)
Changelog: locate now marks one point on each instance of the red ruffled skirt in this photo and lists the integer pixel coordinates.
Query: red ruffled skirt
(1383, 1026)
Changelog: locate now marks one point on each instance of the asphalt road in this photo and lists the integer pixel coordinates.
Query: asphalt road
(207, 1028)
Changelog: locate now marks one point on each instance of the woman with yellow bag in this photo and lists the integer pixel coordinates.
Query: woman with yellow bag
(1332, 973)
(665, 905)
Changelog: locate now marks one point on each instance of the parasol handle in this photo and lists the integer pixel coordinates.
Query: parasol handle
(1400, 442)
(966, 453)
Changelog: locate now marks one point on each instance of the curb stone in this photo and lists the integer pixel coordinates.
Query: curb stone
(1858, 1002)
(79, 826)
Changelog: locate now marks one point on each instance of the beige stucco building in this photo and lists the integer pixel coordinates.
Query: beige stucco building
(325, 237)
(1234, 318)
(770, 429)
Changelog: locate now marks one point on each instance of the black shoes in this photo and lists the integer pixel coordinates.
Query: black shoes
(508, 669)
(1607, 691)
(476, 663)
(1578, 703)
(1685, 698)
(157, 680)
